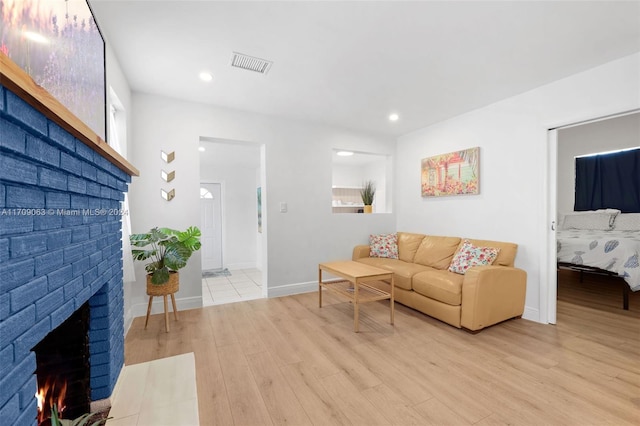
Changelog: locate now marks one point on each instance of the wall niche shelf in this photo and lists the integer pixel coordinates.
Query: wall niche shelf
(346, 199)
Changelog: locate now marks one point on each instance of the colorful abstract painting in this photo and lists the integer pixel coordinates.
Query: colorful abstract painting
(455, 173)
(58, 43)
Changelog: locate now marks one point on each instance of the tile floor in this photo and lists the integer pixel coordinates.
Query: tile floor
(242, 284)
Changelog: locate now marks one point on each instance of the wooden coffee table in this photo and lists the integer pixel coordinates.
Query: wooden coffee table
(354, 284)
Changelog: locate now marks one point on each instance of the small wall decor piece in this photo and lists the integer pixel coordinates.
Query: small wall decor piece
(259, 193)
(168, 176)
(455, 173)
(168, 195)
(168, 157)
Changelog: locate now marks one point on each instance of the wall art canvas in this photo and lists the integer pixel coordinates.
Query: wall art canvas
(58, 43)
(455, 173)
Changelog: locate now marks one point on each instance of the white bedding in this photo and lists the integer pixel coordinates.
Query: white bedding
(614, 251)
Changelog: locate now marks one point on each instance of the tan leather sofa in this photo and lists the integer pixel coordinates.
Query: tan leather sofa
(483, 296)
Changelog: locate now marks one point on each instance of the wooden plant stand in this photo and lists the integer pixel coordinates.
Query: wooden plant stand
(164, 290)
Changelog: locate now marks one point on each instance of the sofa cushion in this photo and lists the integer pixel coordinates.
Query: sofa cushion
(403, 271)
(436, 252)
(383, 245)
(407, 245)
(469, 255)
(507, 254)
(440, 285)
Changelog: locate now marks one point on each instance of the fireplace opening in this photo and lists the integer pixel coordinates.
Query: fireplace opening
(63, 370)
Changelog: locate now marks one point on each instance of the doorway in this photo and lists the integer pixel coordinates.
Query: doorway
(231, 176)
(610, 133)
(211, 222)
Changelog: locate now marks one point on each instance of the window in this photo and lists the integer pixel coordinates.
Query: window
(608, 180)
(205, 193)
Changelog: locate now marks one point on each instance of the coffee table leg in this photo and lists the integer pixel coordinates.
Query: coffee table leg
(319, 288)
(392, 298)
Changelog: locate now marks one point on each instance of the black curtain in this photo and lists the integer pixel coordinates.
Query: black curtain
(608, 181)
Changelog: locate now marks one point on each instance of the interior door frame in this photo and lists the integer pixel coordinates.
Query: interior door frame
(222, 217)
(549, 292)
(548, 262)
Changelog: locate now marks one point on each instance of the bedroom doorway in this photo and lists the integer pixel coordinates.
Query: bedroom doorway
(564, 144)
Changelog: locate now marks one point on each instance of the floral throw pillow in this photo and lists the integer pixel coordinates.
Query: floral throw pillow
(384, 245)
(470, 255)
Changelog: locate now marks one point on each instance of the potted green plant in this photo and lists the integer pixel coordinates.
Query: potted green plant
(368, 192)
(168, 250)
(80, 421)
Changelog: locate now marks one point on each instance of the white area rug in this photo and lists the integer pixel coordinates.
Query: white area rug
(159, 393)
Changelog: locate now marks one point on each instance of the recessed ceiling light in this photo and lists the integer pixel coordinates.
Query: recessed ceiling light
(201, 149)
(394, 117)
(205, 76)
(344, 153)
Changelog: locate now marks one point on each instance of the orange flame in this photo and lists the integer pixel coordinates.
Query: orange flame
(52, 392)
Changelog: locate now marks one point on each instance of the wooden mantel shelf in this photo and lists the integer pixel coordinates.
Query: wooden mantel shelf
(21, 83)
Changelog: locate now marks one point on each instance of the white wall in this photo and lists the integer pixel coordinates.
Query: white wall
(348, 176)
(298, 159)
(238, 212)
(117, 81)
(378, 172)
(606, 135)
(512, 136)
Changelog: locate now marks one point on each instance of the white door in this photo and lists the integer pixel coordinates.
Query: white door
(211, 226)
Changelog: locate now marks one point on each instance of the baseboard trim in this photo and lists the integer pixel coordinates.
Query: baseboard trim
(298, 288)
(236, 266)
(290, 289)
(531, 314)
(157, 307)
(128, 320)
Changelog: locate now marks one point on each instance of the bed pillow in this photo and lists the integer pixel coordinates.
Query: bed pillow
(383, 245)
(469, 255)
(627, 222)
(601, 220)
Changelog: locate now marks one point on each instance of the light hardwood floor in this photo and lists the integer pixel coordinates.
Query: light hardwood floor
(286, 361)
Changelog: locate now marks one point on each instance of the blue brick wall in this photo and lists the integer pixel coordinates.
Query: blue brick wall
(56, 251)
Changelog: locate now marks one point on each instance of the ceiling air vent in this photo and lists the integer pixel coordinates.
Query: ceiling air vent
(246, 62)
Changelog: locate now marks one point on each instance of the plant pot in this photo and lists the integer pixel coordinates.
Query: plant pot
(170, 287)
(368, 209)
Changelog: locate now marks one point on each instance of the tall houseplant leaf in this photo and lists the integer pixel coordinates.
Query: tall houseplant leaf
(368, 192)
(167, 249)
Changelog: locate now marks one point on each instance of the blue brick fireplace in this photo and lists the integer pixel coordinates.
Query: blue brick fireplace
(60, 246)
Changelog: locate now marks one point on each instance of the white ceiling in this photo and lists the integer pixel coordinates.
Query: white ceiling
(351, 64)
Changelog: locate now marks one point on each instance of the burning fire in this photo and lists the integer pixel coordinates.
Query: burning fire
(52, 392)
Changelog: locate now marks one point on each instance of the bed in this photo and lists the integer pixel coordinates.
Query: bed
(614, 251)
